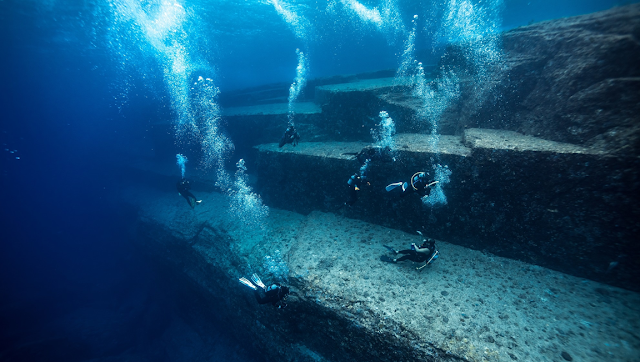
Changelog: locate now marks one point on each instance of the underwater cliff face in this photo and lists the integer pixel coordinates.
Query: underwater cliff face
(566, 80)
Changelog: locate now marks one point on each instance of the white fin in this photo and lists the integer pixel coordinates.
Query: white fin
(246, 282)
(257, 281)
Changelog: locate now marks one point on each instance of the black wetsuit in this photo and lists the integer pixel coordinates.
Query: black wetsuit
(354, 186)
(418, 257)
(290, 136)
(420, 182)
(413, 256)
(274, 296)
(183, 188)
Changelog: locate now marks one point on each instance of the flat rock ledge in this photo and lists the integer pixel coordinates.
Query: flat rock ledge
(557, 205)
(347, 305)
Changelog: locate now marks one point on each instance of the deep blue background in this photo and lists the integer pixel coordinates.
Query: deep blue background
(64, 242)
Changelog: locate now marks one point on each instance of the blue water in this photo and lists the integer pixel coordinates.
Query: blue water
(79, 89)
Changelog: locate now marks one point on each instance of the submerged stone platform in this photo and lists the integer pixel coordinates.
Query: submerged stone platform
(351, 110)
(250, 125)
(347, 305)
(552, 204)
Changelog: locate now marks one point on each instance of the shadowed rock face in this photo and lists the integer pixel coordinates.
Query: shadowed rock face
(573, 80)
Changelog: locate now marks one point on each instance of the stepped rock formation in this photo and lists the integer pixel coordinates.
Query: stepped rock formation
(562, 192)
(346, 305)
(574, 80)
(553, 204)
(545, 175)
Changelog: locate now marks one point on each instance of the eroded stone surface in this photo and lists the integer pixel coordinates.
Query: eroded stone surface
(569, 80)
(357, 86)
(509, 140)
(347, 305)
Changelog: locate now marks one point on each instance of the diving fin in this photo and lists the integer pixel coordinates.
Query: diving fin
(393, 186)
(246, 282)
(386, 259)
(257, 281)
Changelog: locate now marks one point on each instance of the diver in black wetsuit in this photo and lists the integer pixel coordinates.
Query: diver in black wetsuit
(275, 295)
(427, 252)
(354, 186)
(290, 136)
(183, 189)
(419, 184)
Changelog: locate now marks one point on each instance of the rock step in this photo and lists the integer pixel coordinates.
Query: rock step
(351, 110)
(347, 305)
(325, 92)
(446, 145)
(509, 140)
(335, 115)
(272, 109)
(406, 143)
(251, 125)
(543, 202)
(569, 80)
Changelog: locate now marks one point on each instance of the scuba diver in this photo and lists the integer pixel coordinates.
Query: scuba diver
(275, 295)
(419, 184)
(289, 136)
(354, 186)
(183, 190)
(365, 157)
(427, 252)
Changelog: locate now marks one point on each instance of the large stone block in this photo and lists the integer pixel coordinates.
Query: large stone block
(573, 80)
(264, 123)
(351, 110)
(553, 204)
(346, 305)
